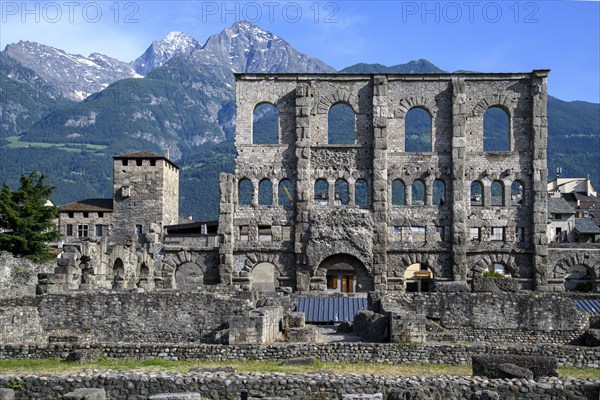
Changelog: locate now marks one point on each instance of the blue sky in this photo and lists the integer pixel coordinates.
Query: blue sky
(486, 36)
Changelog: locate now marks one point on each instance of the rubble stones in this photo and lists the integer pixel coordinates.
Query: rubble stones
(491, 366)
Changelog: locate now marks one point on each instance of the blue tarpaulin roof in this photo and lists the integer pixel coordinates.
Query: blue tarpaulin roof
(591, 306)
(330, 309)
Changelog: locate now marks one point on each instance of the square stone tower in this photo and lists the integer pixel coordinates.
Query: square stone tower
(146, 191)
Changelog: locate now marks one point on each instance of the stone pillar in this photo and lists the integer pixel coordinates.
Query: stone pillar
(304, 186)
(379, 188)
(226, 228)
(458, 198)
(539, 168)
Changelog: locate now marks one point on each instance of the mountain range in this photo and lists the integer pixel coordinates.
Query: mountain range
(67, 115)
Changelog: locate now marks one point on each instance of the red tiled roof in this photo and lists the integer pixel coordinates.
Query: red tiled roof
(94, 205)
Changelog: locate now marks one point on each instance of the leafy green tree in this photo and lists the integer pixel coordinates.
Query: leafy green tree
(26, 222)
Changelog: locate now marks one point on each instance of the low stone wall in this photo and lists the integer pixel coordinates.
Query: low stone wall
(221, 385)
(91, 317)
(390, 353)
(493, 317)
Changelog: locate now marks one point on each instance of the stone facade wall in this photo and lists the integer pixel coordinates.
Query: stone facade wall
(174, 316)
(456, 104)
(220, 385)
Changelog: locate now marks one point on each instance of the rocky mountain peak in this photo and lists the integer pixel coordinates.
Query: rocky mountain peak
(73, 75)
(161, 51)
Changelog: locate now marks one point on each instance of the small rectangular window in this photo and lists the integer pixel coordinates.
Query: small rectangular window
(82, 231)
(398, 233)
(86, 214)
(69, 230)
(139, 230)
(138, 163)
(475, 234)
(125, 162)
(265, 234)
(99, 230)
(244, 230)
(417, 233)
(497, 233)
(100, 215)
(153, 163)
(71, 214)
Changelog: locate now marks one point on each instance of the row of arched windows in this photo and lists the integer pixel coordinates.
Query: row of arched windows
(418, 132)
(357, 194)
(341, 193)
(266, 194)
(417, 195)
(495, 194)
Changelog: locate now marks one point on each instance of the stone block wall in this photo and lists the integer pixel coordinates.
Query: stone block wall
(174, 316)
(258, 326)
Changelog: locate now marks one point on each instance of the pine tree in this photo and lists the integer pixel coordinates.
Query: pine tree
(26, 222)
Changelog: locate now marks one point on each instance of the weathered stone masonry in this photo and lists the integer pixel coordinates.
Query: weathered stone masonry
(327, 236)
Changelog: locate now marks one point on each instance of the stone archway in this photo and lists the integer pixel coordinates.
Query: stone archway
(189, 276)
(264, 277)
(118, 273)
(343, 273)
(566, 266)
(418, 278)
(488, 262)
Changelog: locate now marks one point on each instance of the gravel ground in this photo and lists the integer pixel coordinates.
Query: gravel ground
(328, 334)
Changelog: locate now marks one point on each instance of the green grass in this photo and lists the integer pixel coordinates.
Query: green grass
(57, 366)
(14, 142)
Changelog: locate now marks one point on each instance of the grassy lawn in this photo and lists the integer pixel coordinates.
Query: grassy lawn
(58, 366)
(14, 142)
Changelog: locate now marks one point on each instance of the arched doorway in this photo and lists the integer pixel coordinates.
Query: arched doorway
(118, 281)
(579, 278)
(263, 277)
(418, 278)
(189, 276)
(346, 274)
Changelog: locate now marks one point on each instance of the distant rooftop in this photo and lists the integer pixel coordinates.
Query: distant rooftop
(93, 205)
(146, 155)
(558, 205)
(586, 226)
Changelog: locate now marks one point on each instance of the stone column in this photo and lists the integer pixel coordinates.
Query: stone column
(457, 195)
(379, 188)
(226, 228)
(304, 102)
(539, 127)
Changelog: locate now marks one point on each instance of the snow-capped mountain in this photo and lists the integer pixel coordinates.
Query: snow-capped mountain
(73, 75)
(161, 51)
(245, 47)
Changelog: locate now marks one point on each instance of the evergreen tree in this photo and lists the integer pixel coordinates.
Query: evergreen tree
(26, 222)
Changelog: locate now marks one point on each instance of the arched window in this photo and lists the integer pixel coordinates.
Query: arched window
(439, 193)
(286, 193)
(418, 193)
(496, 130)
(476, 193)
(265, 124)
(417, 130)
(340, 124)
(245, 192)
(361, 193)
(342, 197)
(321, 192)
(497, 195)
(516, 194)
(398, 193)
(265, 193)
